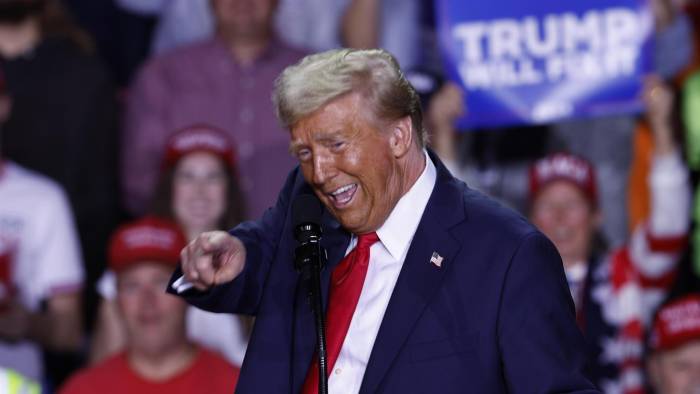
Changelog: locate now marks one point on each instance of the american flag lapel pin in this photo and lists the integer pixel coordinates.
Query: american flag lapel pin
(436, 259)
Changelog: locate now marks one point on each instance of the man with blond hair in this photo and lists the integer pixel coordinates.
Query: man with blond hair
(429, 286)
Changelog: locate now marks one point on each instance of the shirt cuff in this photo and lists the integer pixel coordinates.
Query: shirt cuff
(181, 285)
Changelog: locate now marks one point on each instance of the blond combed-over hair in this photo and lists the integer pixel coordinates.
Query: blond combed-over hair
(317, 79)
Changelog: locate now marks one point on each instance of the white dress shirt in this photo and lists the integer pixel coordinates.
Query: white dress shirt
(385, 262)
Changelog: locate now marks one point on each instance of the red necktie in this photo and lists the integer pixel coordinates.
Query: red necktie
(346, 285)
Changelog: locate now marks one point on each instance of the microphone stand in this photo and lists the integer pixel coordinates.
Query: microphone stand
(310, 258)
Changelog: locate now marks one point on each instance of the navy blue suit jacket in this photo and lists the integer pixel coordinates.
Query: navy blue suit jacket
(496, 317)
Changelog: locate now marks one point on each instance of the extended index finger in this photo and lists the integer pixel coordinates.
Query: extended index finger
(214, 242)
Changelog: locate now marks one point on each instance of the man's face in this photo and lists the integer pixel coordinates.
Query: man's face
(244, 18)
(154, 320)
(351, 161)
(562, 212)
(676, 371)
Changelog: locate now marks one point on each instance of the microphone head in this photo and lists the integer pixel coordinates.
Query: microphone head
(306, 218)
(306, 208)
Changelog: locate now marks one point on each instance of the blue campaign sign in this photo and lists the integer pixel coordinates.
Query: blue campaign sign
(538, 61)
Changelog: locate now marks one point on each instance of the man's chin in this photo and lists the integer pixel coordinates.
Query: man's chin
(357, 224)
(348, 216)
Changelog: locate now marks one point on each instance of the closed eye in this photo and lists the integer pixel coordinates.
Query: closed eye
(337, 145)
(303, 154)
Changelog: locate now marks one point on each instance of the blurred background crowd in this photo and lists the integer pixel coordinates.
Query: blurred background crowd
(127, 127)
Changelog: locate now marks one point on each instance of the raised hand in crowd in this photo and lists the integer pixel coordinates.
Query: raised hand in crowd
(664, 13)
(659, 101)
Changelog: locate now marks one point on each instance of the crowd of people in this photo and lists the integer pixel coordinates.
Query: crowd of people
(102, 184)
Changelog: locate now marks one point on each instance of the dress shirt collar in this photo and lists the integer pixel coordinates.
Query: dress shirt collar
(397, 231)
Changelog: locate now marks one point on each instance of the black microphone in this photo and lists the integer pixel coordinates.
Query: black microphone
(309, 259)
(306, 218)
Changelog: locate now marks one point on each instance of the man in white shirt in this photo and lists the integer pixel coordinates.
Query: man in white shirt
(41, 270)
(430, 286)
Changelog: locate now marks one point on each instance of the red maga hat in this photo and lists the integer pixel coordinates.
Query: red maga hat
(676, 323)
(149, 239)
(566, 167)
(199, 137)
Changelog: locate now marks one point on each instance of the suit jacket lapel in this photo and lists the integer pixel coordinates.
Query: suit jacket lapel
(419, 278)
(335, 240)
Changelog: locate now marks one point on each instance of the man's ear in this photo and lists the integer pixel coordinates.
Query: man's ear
(401, 136)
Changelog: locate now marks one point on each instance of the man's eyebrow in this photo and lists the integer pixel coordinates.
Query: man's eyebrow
(294, 145)
(319, 136)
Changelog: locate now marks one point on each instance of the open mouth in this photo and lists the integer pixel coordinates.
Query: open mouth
(343, 195)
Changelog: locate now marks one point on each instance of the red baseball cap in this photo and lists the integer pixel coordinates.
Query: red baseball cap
(199, 137)
(566, 167)
(676, 323)
(149, 239)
